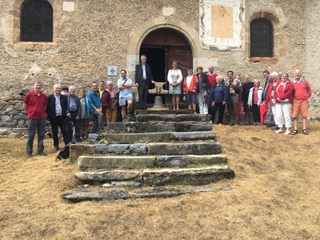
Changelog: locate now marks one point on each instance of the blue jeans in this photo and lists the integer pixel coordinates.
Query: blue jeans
(97, 121)
(34, 125)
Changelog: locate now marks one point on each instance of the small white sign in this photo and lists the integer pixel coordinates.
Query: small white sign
(68, 6)
(112, 70)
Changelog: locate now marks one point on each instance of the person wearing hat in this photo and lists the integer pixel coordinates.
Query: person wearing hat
(64, 90)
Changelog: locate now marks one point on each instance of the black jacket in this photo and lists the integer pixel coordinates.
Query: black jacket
(139, 74)
(51, 107)
(77, 99)
(203, 82)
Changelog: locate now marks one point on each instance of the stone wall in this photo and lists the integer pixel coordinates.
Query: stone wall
(312, 33)
(100, 33)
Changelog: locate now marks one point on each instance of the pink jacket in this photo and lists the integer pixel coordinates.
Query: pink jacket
(286, 93)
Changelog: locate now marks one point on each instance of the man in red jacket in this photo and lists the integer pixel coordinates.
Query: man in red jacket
(35, 104)
(302, 93)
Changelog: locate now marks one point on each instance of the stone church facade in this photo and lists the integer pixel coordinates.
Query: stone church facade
(88, 38)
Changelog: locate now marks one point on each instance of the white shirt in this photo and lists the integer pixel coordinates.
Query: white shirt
(144, 72)
(189, 78)
(58, 105)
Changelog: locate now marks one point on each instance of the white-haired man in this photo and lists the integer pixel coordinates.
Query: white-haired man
(74, 108)
(302, 93)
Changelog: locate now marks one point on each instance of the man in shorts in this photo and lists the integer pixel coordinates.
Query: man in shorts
(125, 94)
(301, 95)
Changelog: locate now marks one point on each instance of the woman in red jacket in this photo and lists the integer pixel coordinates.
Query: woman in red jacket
(190, 89)
(270, 96)
(283, 95)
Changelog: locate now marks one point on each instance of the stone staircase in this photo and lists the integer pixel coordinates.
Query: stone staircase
(142, 158)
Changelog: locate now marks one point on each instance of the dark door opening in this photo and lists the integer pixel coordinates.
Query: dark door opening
(156, 60)
(161, 47)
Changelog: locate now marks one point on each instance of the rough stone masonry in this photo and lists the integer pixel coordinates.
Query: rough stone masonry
(88, 36)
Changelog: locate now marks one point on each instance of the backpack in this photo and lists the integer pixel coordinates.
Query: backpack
(64, 153)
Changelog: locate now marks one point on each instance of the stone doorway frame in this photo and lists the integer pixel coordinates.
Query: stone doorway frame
(139, 34)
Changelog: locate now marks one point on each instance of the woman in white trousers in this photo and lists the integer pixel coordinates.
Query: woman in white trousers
(283, 95)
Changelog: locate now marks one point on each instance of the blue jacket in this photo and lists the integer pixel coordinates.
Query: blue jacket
(93, 100)
(212, 97)
(86, 107)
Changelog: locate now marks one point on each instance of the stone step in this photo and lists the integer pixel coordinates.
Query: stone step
(185, 148)
(193, 176)
(141, 162)
(160, 177)
(173, 117)
(143, 192)
(165, 111)
(157, 137)
(142, 127)
(93, 195)
(167, 148)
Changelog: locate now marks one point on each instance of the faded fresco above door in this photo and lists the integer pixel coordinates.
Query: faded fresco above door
(222, 24)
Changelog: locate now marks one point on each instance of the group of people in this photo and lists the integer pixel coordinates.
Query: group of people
(284, 99)
(69, 113)
(208, 93)
(205, 93)
(287, 100)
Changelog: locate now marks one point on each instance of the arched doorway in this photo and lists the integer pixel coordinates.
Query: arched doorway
(161, 47)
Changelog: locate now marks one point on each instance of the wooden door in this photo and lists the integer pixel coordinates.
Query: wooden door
(184, 57)
(175, 46)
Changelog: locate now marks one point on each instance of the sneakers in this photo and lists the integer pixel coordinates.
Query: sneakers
(279, 131)
(42, 154)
